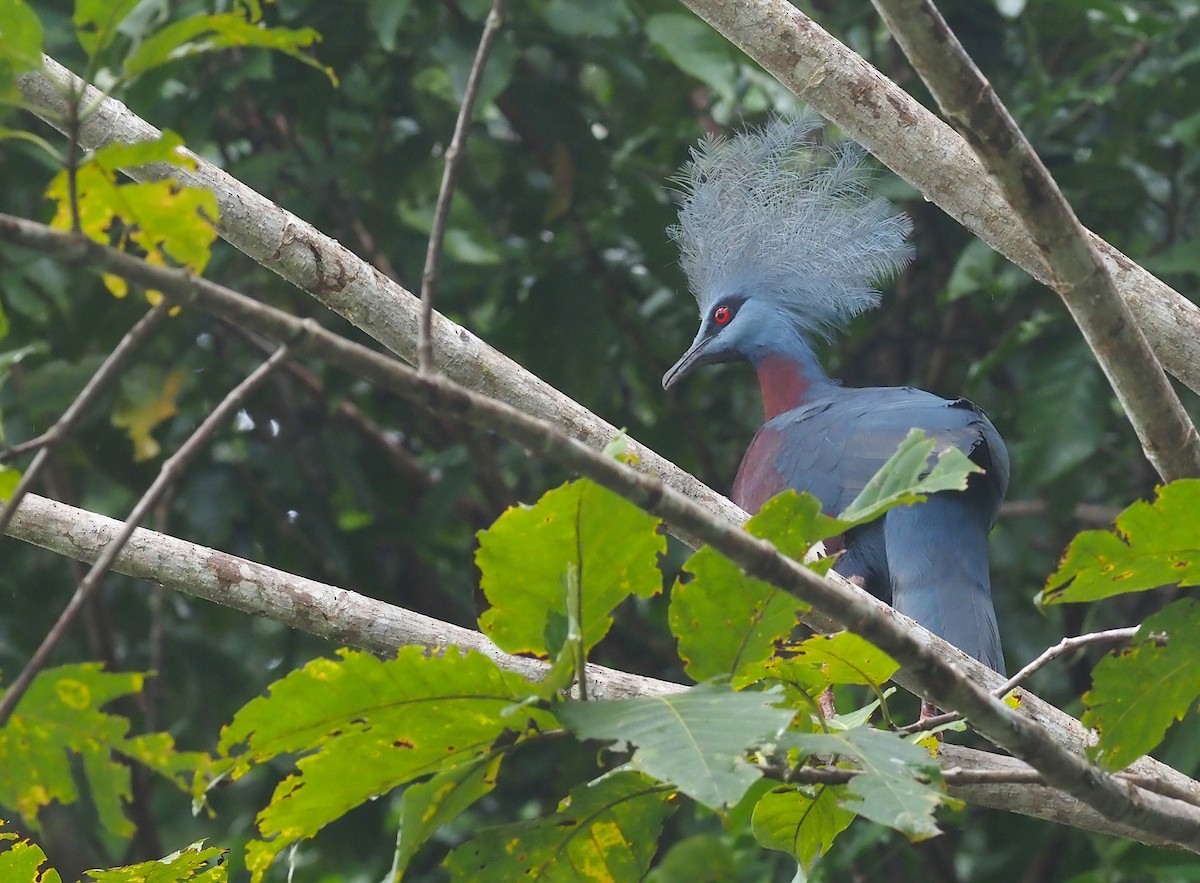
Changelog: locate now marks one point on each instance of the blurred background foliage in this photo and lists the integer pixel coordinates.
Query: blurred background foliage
(557, 255)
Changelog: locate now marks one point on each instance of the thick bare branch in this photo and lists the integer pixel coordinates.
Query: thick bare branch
(340, 280)
(1076, 272)
(932, 668)
(348, 618)
(935, 159)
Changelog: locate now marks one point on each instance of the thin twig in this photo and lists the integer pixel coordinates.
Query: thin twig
(937, 672)
(437, 233)
(170, 472)
(1077, 273)
(1066, 645)
(105, 374)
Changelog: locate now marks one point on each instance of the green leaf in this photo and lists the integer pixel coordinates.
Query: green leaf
(147, 400)
(525, 556)
(195, 864)
(20, 45)
(701, 858)
(1140, 690)
(427, 806)
(385, 16)
(907, 477)
(96, 22)
(842, 658)
(22, 860)
(696, 49)
(604, 831)
(201, 34)
(889, 790)
(1155, 544)
(601, 18)
(728, 623)
(58, 723)
(802, 821)
(365, 726)
(694, 740)
(9, 479)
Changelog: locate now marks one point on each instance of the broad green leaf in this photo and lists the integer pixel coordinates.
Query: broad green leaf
(1140, 690)
(842, 658)
(195, 864)
(21, 860)
(139, 416)
(802, 821)
(427, 806)
(728, 623)
(907, 477)
(168, 223)
(365, 726)
(605, 831)
(889, 790)
(20, 45)
(525, 556)
(385, 16)
(1155, 544)
(701, 858)
(57, 724)
(96, 22)
(696, 49)
(200, 34)
(694, 740)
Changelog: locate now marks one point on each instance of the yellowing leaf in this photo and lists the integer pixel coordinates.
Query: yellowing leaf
(139, 418)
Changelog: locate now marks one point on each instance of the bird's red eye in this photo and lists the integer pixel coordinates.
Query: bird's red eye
(722, 315)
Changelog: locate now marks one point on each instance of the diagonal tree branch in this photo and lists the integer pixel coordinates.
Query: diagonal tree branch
(173, 467)
(348, 618)
(340, 280)
(935, 159)
(932, 668)
(1076, 272)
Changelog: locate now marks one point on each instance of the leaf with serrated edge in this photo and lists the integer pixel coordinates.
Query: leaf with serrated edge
(801, 821)
(606, 830)
(694, 740)
(523, 559)
(1142, 689)
(366, 726)
(728, 623)
(841, 658)
(195, 864)
(907, 477)
(427, 806)
(1154, 544)
(24, 860)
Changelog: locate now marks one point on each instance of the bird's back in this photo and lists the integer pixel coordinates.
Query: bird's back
(928, 560)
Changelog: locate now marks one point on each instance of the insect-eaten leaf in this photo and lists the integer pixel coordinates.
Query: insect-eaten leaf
(609, 545)
(605, 830)
(364, 726)
(1139, 691)
(696, 740)
(194, 864)
(1154, 544)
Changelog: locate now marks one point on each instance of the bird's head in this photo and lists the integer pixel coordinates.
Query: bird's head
(780, 241)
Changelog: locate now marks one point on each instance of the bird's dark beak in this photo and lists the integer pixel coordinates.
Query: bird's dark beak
(695, 356)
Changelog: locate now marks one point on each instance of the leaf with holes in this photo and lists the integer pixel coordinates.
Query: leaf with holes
(1155, 544)
(194, 864)
(728, 623)
(365, 726)
(842, 658)
(696, 740)
(525, 558)
(606, 831)
(22, 860)
(1138, 692)
(802, 821)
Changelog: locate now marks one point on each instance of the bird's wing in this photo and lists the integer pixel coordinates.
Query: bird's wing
(833, 444)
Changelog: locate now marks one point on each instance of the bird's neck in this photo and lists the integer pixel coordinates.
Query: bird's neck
(786, 379)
